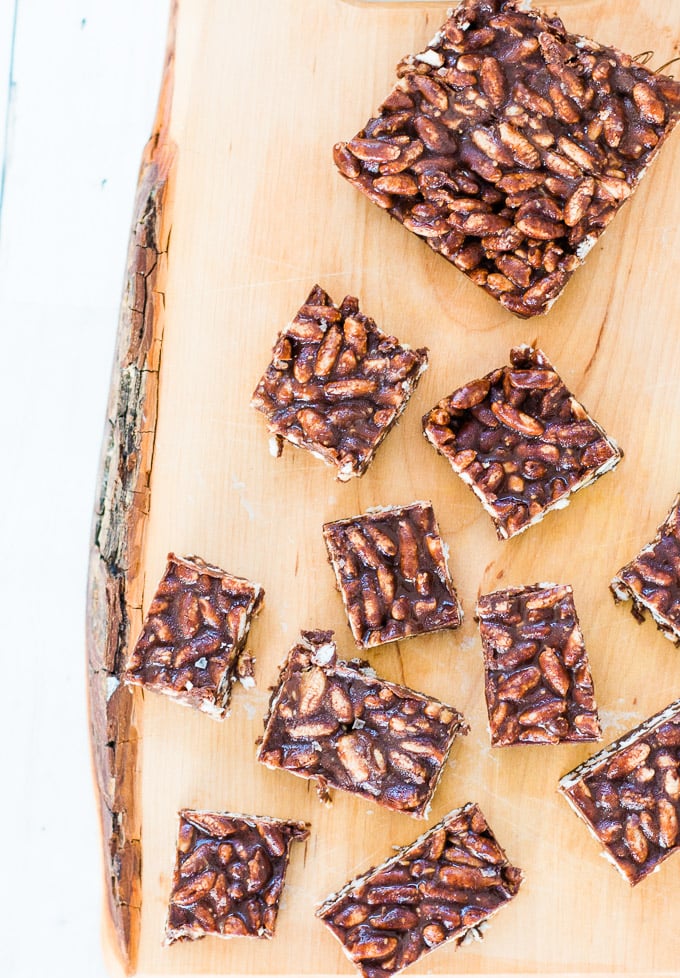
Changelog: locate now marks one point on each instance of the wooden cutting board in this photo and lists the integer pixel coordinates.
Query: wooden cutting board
(239, 213)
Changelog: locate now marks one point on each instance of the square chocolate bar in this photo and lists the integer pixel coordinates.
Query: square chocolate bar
(509, 144)
(229, 874)
(339, 724)
(392, 573)
(336, 384)
(652, 579)
(520, 440)
(192, 643)
(629, 795)
(441, 889)
(538, 685)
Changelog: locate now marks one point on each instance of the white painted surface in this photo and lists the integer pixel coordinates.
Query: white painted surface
(86, 77)
(8, 11)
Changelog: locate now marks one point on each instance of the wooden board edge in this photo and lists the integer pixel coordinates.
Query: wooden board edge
(114, 593)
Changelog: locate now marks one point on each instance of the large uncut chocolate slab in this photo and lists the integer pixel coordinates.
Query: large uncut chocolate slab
(229, 875)
(391, 569)
(538, 685)
(509, 144)
(520, 440)
(652, 579)
(192, 642)
(442, 888)
(338, 723)
(629, 795)
(336, 383)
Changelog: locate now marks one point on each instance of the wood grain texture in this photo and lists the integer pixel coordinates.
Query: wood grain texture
(258, 216)
(114, 592)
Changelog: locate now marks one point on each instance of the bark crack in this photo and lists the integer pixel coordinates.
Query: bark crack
(115, 588)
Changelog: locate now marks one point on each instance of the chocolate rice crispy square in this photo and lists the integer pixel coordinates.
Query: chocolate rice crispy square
(520, 440)
(336, 384)
(509, 145)
(391, 570)
(652, 579)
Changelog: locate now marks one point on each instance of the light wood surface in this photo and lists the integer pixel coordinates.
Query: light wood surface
(257, 216)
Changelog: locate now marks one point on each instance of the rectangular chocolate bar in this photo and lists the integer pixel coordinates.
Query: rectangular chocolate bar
(520, 440)
(538, 685)
(229, 874)
(340, 725)
(194, 634)
(652, 579)
(336, 384)
(391, 569)
(509, 144)
(441, 889)
(629, 795)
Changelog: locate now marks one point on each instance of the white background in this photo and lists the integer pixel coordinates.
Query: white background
(84, 82)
